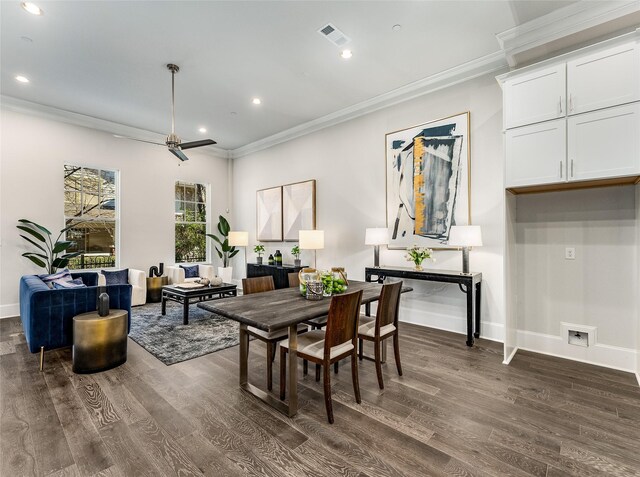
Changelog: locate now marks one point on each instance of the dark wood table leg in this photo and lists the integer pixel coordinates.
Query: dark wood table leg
(478, 304)
(185, 311)
(164, 304)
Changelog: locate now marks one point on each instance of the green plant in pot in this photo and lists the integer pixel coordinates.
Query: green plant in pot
(259, 249)
(295, 251)
(49, 252)
(225, 251)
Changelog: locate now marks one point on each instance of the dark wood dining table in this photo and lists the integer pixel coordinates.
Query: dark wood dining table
(276, 310)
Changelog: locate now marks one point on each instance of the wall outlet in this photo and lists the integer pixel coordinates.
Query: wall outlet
(570, 253)
(579, 338)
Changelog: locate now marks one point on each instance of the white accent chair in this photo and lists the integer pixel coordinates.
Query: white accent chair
(176, 273)
(138, 282)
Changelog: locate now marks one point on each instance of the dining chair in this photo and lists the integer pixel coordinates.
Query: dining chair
(383, 326)
(270, 338)
(294, 279)
(325, 347)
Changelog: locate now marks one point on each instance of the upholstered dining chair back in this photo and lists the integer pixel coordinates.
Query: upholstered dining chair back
(342, 324)
(389, 304)
(257, 285)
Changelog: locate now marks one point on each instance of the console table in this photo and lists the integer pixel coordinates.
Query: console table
(280, 273)
(470, 284)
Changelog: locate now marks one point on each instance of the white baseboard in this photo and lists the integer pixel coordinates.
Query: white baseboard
(615, 357)
(456, 324)
(638, 377)
(510, 357)
(9, 311)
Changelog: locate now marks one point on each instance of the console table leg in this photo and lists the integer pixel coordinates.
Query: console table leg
(470, 304)
(478, 300)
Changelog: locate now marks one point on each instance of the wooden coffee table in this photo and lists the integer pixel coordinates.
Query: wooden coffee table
(186, 296)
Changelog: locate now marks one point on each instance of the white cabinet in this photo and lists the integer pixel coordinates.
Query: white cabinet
(604, 143)
(603, 79)
(535, 97)
(536, 154)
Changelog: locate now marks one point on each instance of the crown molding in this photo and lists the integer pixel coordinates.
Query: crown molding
(458, 74)
(48, 112)
(560, 23)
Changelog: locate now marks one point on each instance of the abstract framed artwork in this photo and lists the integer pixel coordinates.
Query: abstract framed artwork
(269, 214)
(298, 208)
(428, 171)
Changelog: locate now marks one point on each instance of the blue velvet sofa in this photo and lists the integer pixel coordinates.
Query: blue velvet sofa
(47, 315)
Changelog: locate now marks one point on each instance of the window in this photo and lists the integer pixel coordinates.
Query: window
(91, 210)
(191, 222)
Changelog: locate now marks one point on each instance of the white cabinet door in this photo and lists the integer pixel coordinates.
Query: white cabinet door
(604, 143)
(535, 97)
(536, 154)
(604, 79)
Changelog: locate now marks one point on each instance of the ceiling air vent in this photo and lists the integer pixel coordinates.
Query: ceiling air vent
(335, 36)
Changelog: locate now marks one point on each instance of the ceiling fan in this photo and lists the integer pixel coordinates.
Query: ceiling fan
(173, 141)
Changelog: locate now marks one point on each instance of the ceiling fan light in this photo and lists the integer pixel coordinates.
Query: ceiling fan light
(31, 8)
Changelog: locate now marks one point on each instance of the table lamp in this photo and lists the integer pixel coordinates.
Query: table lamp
(311, 240)
(465, 236)
(240, 239)
(376, 237)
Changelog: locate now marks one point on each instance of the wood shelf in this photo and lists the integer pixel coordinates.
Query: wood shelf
(617, 181)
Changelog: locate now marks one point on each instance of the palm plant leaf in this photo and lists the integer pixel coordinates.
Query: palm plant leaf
(62, 245)
(30, 231)
(37, 261)
(33, 243)
(25, 221)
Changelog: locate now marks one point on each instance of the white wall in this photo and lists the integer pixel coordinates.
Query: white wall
(347, 160)
(599, 288)
(34, 151)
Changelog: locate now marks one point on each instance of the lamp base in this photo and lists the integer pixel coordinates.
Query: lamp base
(376, 256)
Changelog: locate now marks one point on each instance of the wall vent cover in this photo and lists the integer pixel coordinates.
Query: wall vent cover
(335, 36)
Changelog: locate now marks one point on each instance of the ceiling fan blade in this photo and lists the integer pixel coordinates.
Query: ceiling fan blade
(202, 142)
(139, 140)
(178, 153)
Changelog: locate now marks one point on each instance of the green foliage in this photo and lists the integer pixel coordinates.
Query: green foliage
(225, 251)
(191, 242)
(295, 251)
(40, 237)
(259, 249)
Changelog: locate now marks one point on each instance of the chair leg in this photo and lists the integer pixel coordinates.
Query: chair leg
(270, 354)
(41, 358)
(283, 372)
(396, 352)
(335, 367)
(378, 359)
(273, 355)
(317, 372)
(305, 367)
(354, 377)
(360, 348)
(327, 391)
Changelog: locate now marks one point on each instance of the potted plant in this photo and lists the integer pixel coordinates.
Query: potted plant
(225, 251)
(48, 250)
(295, 251)
(417, 254)
(259, 249)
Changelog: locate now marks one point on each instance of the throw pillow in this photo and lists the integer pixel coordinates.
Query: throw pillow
(75, 283)
(117, 277)
(61, 275)
(190, 271)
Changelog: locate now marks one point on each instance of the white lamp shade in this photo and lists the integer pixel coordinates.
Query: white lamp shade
(465, 236)
(376, 236)
(238, 239)
(311, 239)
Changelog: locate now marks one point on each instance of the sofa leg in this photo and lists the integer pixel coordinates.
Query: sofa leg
(41, 358)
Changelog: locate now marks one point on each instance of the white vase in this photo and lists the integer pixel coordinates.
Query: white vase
(225, 273)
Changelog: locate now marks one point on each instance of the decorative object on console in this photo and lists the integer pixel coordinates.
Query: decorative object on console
(312, 240)
(259, 249)
(465, 237)
(103, 304)
(225, 251)
(295, 251)
(298, 208)
(428, 181)
(156, 271)
(47, 256)
(271, 260)
(269, 214)
(417, 255)
(376, 237)
(277, 258)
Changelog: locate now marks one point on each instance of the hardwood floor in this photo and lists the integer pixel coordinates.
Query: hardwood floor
(456, 411)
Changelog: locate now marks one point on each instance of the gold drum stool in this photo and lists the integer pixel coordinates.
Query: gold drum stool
(99, 342)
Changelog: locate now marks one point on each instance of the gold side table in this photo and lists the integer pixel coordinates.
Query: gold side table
(154, 288)
(99, 342)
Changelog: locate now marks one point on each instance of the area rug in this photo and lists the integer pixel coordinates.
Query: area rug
(171, 342)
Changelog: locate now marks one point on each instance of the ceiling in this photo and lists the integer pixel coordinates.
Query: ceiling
(107, 59)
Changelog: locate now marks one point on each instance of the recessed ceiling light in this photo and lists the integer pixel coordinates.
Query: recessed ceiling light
(256, 101)
(203, 130)
(233, 113)
(346, 54)
(22, 79)
(31, 8)
(396, 27)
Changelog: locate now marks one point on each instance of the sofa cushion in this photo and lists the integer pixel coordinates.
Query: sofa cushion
(59, 276)
(190, 271)
(116, 277)
(75, 283)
